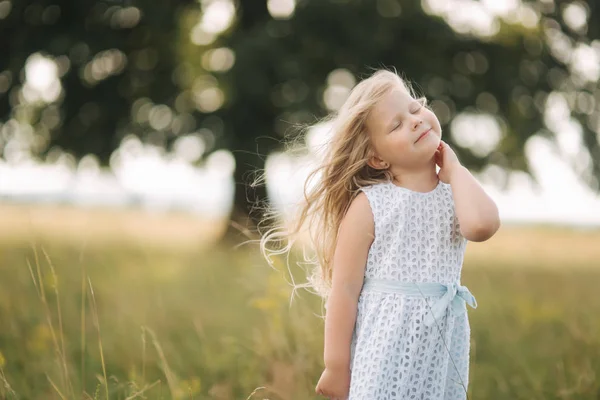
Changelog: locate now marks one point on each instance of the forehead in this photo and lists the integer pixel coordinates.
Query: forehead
(387, 108)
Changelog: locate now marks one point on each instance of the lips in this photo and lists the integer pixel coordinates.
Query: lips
(423, 134)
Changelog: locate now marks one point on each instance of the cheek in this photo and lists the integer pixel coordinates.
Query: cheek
(399, 140)
(432, 119)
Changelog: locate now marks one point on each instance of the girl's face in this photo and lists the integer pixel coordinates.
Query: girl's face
(404, 133)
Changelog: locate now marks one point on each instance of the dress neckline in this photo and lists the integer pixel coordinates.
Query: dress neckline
(439, 184)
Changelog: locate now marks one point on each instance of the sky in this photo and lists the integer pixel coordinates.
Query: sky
(150, 179)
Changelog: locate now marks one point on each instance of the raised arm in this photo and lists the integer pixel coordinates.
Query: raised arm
(477, 213)
(356, 233)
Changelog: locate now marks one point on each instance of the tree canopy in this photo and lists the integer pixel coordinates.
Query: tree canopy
(237, 75)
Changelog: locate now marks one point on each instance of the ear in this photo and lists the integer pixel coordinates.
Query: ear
(377, 163)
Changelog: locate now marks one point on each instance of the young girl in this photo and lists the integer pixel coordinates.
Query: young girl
(389, 234)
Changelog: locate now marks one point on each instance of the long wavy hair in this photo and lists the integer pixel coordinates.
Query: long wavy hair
(334, 182)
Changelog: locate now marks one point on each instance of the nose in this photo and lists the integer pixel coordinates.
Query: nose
(416, 123)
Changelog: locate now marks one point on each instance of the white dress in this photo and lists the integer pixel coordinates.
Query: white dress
(394, 354)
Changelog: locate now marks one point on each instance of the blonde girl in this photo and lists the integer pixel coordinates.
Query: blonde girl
(389, 231)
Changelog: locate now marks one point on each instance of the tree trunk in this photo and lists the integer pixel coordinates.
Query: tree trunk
(249, 201)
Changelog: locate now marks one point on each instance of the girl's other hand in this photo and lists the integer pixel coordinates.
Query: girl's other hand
(446, 158)
(334, 384)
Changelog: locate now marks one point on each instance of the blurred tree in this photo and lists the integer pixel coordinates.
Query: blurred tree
(108, 55)
(289, 61)
(241, 74)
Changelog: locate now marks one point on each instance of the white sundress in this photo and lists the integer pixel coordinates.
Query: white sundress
(411, 337)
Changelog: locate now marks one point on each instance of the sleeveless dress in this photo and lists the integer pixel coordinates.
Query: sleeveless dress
(411, 336)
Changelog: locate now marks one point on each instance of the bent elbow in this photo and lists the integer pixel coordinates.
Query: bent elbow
(482, 231)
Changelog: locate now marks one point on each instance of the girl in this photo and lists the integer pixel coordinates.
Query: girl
(389, 234)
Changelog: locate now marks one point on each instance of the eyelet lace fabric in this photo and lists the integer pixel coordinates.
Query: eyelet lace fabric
(394, 354)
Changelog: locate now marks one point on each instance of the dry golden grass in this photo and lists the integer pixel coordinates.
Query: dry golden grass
(538, 246)
(18, 222)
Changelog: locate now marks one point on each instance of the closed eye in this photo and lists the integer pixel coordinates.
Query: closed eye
(416, 107)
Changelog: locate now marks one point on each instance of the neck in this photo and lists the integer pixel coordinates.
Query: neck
(420, 180)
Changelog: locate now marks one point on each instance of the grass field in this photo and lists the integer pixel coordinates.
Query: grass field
(126, 305)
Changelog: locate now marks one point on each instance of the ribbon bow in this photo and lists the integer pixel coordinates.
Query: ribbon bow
(456, 296)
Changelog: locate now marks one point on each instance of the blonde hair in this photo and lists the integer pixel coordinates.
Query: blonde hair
(340, 174)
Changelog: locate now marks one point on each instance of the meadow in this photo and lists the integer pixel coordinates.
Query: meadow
(129, 305)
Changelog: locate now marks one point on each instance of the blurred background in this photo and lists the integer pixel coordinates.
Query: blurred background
(131, 132)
